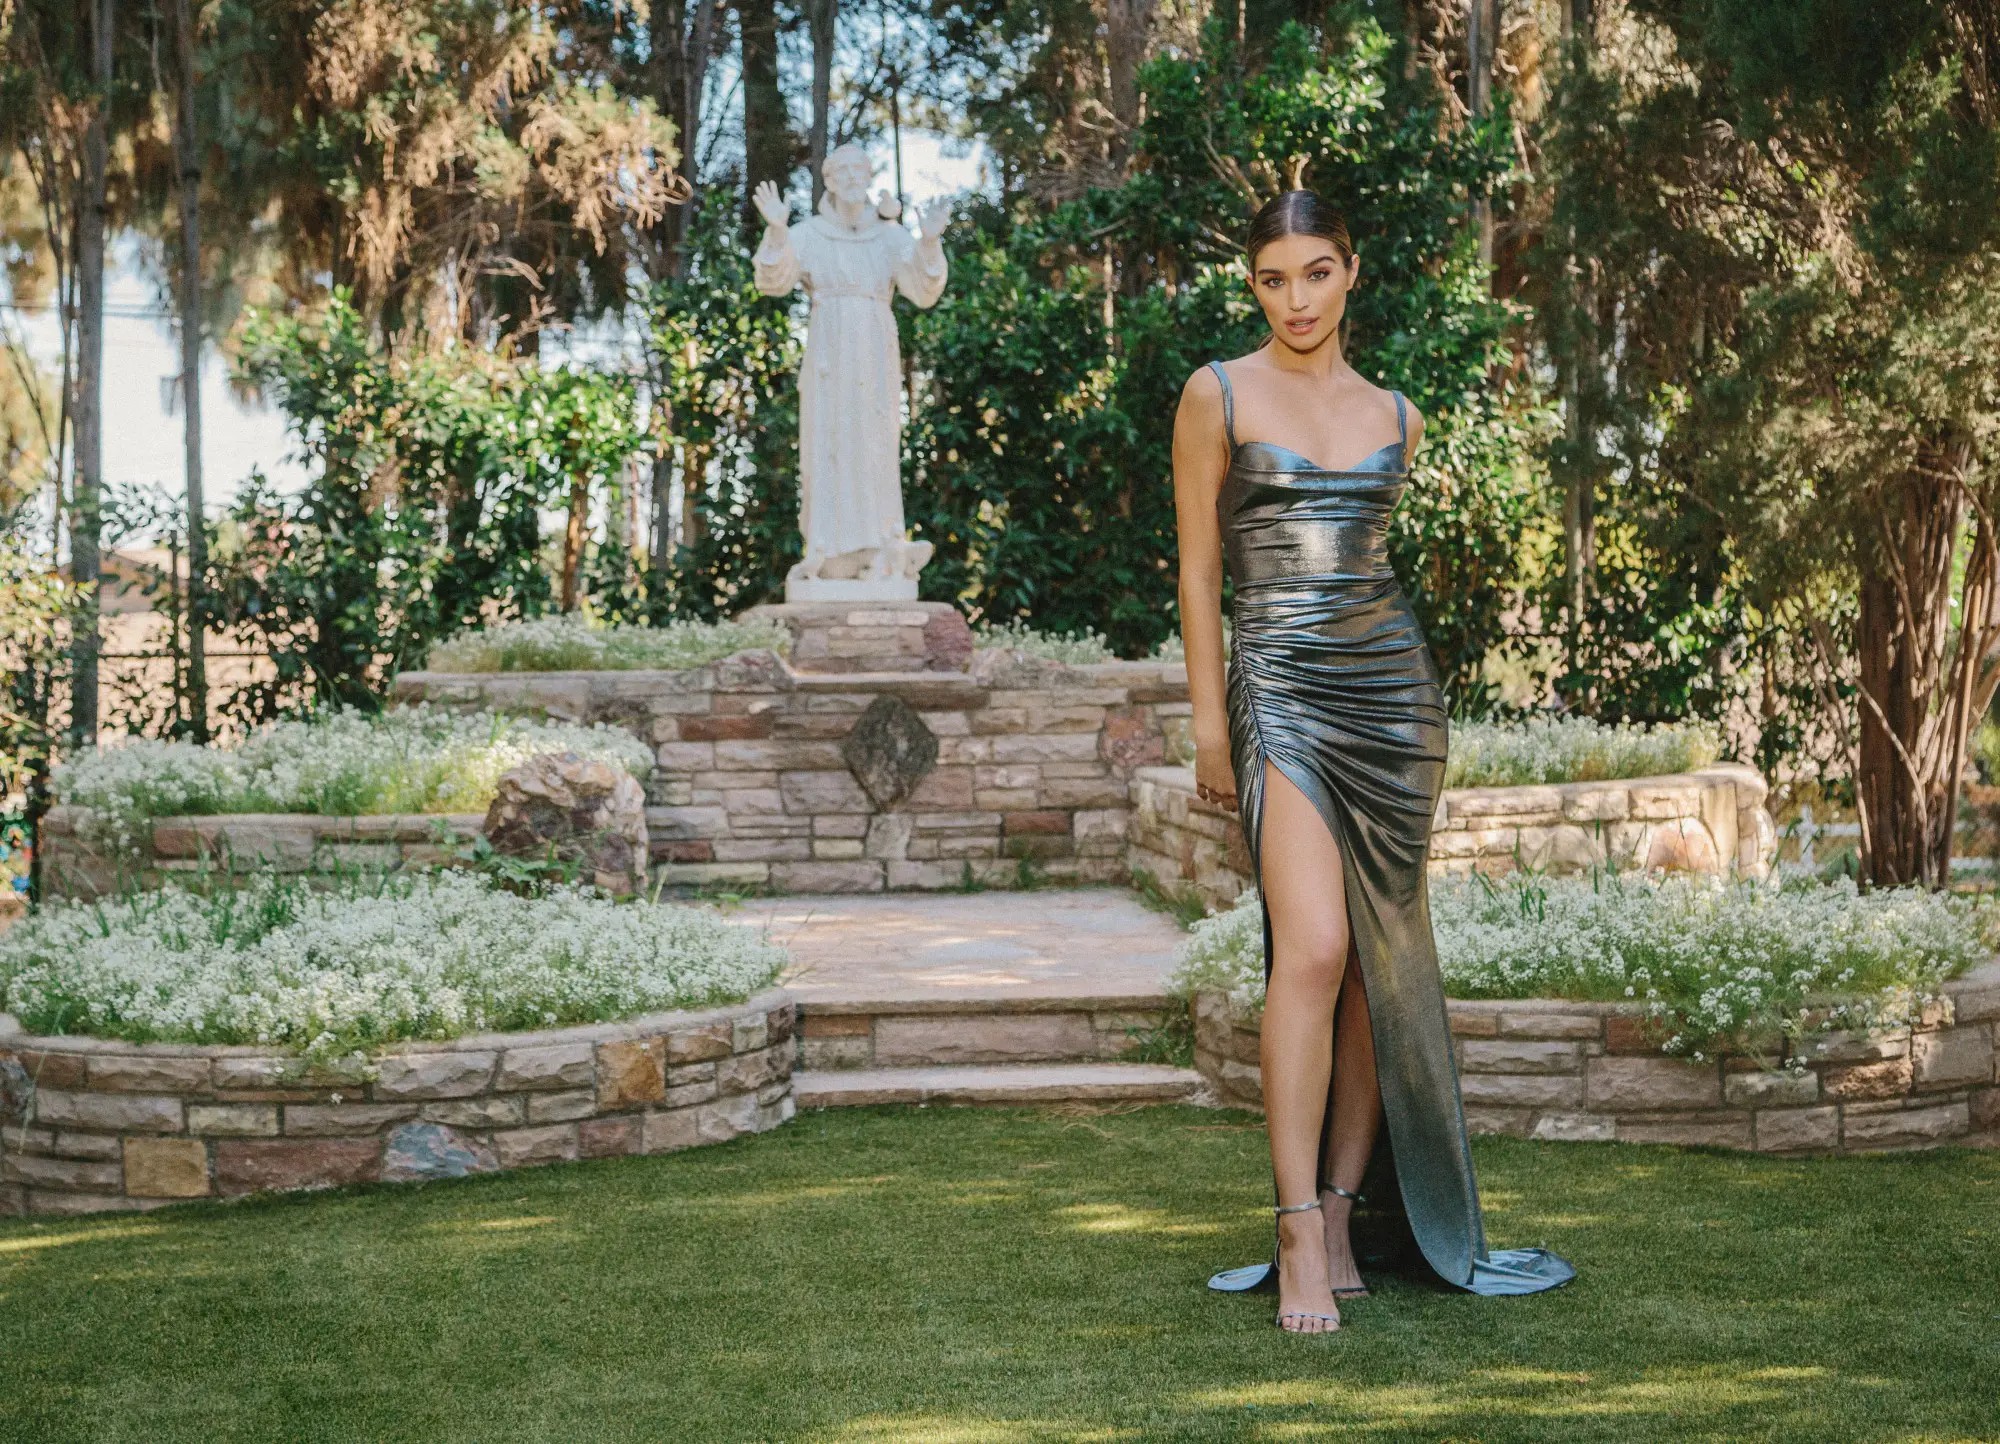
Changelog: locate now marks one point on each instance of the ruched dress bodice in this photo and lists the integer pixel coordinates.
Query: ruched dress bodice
(1331, 683)
(1285, 519)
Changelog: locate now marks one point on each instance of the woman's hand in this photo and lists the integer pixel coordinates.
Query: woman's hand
(1213, 781)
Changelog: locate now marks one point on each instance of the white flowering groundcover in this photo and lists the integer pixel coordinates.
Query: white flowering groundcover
(334, 971)
(420, 759)
(572, 642)
(1574, 749)
(1722, 965)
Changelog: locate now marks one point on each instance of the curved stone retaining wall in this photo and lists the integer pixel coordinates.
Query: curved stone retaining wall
(1710, 821)
(89, 1124)
(1540, 1068)
(286, 842)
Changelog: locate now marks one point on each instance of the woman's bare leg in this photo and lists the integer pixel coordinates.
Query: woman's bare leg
(1305, 894)
(1357, 1115)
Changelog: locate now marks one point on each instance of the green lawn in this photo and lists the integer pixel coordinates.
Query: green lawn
(964, 1276)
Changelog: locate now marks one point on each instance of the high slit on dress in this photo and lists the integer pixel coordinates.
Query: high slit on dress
(1329, 679)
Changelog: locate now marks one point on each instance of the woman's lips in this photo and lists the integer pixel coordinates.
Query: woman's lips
(1300, 327)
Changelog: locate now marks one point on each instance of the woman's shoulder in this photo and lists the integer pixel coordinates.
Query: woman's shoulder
(1202, 384)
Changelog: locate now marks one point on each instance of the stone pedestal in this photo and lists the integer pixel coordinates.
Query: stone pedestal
(871, 636)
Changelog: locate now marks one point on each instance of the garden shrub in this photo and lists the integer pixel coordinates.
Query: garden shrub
(371, 959)
(1718, 963)
(420, 759)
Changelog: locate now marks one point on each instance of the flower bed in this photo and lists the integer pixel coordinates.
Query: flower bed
(572, 643)
(1714, 966)
(330, 970)
(416, 1025)
(410, 760)
(1574, 749)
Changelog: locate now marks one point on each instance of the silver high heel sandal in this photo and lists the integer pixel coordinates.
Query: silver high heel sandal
(1333, 1319)
(1347, 1193)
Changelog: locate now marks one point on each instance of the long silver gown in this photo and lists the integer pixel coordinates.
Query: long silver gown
(1329, 678)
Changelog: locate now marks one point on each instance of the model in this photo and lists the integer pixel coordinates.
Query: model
(1326, 729)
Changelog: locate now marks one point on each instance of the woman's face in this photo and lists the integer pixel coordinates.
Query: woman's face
(1302, 284)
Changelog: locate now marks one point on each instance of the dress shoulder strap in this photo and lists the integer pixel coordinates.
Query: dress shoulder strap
(1228, 403)
(1402, 423)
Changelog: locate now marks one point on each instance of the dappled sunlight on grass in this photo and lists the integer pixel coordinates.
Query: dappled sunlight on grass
(30, 1242)
(1527, 1394)
(514, 1223)
(935, 1429)
(1121, 1218)
(837, 1188)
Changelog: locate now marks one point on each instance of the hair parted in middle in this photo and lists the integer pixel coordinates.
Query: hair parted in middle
(1296, 213)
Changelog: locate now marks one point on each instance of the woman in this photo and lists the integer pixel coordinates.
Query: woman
(1326, 728)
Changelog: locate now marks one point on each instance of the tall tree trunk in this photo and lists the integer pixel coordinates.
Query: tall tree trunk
(1579, 501)
(1128, 32)
(1928, 663)
(823, 18)
(86, 497)
(574, 538)
(1482, 37)
(681, 43)
(188, 155)
(767, 125)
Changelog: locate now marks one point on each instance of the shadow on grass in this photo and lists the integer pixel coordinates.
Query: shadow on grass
(876, 1276)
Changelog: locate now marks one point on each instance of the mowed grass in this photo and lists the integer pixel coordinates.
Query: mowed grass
(966, 1276)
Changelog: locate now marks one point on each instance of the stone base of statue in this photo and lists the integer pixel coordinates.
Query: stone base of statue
(885, 573)
(871, 636)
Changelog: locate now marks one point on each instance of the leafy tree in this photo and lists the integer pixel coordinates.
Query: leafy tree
(423, 514)
(1041, 455)
(1793, 215)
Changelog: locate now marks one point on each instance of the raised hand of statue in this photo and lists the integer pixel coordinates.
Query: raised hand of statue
(771, 205)
(934, 218)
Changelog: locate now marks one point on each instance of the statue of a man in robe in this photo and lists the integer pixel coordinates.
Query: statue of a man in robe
(851, 257)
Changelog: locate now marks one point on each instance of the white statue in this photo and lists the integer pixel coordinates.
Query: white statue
(852, 257)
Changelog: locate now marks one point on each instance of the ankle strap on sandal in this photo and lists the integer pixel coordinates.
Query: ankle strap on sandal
(1337, 1191)
(1296, 1207)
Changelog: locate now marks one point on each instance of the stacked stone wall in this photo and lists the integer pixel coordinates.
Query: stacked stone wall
(1543, 1068)
(856, 782)
(282, 842)
(1709, 821)
(90, 1125)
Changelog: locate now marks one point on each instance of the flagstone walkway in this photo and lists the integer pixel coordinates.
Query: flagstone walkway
(987, 997)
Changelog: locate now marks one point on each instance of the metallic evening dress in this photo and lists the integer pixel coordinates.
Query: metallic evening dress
(1329, 678)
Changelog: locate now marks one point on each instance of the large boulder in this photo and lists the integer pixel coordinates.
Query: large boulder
(586, 811)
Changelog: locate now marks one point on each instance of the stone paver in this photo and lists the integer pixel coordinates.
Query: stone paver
(1087, 943)
(998, 1083)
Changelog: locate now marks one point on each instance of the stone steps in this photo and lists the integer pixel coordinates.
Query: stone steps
(983, 1027)
(996, 1084)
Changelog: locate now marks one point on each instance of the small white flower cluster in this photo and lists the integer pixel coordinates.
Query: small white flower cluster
(573, 642)
(1719, 962)
(1573, 749)
(331, 972)
(1074, 648)
(417, 759)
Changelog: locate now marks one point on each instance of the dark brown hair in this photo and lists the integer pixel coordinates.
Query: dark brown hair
(1296, 213)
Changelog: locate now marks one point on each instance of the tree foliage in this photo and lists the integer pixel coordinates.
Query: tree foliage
(1793, 216)
(429, 475)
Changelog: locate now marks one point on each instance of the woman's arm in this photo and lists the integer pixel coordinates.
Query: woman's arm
(1201, 459)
